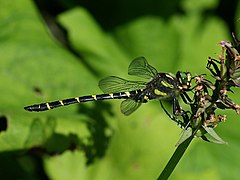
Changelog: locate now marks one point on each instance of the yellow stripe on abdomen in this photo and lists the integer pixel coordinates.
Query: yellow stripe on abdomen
(94, 97)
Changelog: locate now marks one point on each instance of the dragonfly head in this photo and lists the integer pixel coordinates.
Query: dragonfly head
(184, 79)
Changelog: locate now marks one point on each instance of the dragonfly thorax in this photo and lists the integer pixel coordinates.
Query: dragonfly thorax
(162, 86)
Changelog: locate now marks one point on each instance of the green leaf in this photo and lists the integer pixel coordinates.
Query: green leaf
(35, 68)
(39, 132)
(69, 164)
(95, 45)
(185, 135)
(213, 136)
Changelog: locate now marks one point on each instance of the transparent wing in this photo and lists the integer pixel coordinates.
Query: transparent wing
(114, 84)
(128, 106)
(140, 67)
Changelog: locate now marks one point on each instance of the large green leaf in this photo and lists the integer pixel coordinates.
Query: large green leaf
(34, 68)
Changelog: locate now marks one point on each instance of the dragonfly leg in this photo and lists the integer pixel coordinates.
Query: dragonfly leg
(177, 110)
(173, 117)
(186, 99)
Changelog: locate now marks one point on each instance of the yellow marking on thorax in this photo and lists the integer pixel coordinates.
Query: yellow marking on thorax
(180, 87)
(94, 97)
(169, 76)
(159, 93)
(184, 87)
(48, 106)
(77, 98)
(166, 84)
(146, 98)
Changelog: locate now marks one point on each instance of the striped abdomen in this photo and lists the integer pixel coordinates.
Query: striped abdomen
(55, 104)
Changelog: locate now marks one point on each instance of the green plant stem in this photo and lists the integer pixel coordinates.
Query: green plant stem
(172, 163)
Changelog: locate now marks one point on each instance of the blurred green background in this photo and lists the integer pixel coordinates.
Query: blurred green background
(53, 50)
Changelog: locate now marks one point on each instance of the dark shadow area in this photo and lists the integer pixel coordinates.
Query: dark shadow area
(226, 10)
(111, 14)
(43, 139)
(21, 165)
(3, 123)
(28, 163)
(97, 126)
(58, 143)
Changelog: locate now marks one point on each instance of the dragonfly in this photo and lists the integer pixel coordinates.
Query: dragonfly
(154, 86)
